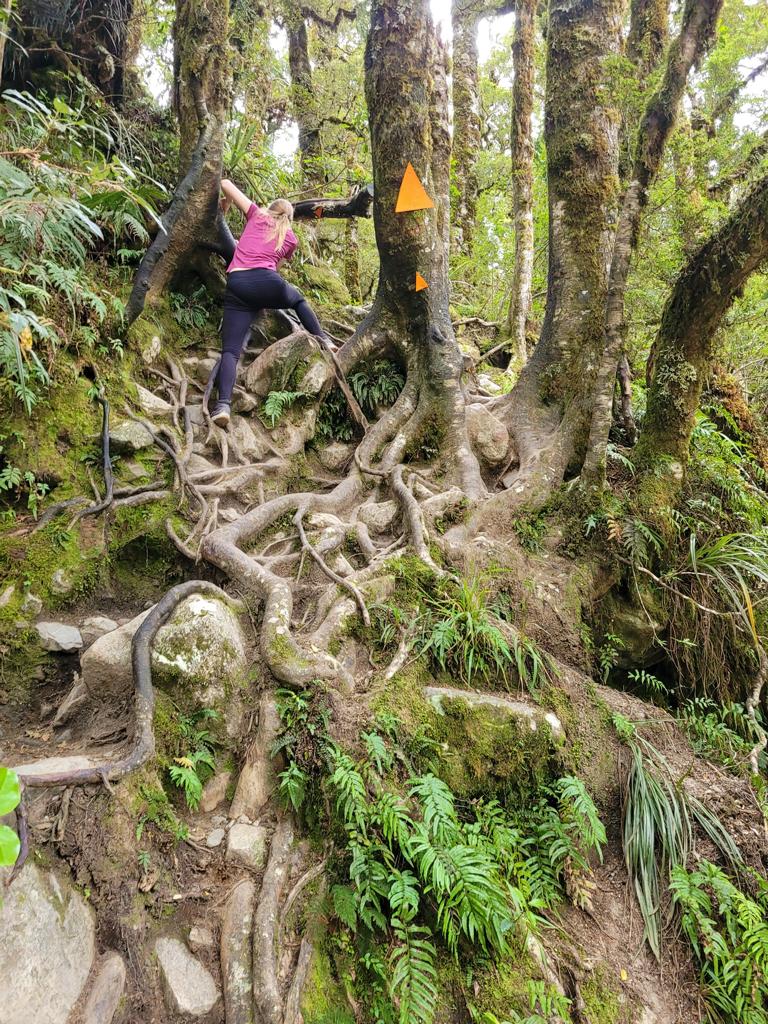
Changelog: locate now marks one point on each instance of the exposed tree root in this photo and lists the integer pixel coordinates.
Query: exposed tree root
(267, 995)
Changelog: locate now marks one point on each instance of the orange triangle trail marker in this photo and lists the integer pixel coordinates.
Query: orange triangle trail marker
(412, 194)
(421, 284)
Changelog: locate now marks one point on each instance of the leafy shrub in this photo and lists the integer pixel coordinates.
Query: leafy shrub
(376, 384)
(195, 756)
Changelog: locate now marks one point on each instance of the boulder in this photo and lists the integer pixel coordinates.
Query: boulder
(47, 947)
(378, 516)
(31, 605)
(95, 626)
(151, 350)
(198, 368)
(151, 404)
(201, 649)
(106, 991)
(129, 436)
(214, 792)
(245, 437)
(327, 282)
(243, 401)
(488, 384)
(58, 636)
(531, 715)
(247, 846)
(199, 464)
(335, 455)
(487, 435)
(189, 987)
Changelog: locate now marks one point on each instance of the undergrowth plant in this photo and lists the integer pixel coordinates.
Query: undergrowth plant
(416, 872)
(195, 759)
(10, 795)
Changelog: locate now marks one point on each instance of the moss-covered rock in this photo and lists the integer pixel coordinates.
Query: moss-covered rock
(323, 1000)
(326, 284)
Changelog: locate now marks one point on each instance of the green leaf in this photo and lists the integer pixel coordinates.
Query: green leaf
(10, 790)
(345, 905)
(9, 846)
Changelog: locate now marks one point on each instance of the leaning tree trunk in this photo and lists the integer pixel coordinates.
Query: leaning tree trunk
(697, 30)
(684, 346)
(202, 90)
(522, 177)
(466, 120)
(407, 96)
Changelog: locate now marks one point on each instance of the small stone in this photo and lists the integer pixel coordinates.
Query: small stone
(151, 351)
(214, 792)
(58, 636)
(247, 846)
(197, 464)
(335, 456)
(62, 582)
(129, 436)
(246, 440)
(73, 701)
(196, 415)
(152, 404)
(7, 595)
(95, 626)
(378, 516)
(200, 938)
(106, 991)
(189, 987)
(133, 470)
(200, 369)
(243, 402)
(487, 384)
(215, 838)
(31, 605)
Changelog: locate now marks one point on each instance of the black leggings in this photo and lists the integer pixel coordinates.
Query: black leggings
(249, 291)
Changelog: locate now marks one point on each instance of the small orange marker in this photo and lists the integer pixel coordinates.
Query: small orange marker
(318, 211)
(412, 194)
(421, 284)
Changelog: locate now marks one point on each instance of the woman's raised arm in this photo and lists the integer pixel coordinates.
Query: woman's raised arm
(232, 194)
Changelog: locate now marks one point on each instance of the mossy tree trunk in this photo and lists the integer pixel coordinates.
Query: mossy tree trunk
(696, 32)
(684, 346)
(5, 20)
(466, 119)
(407, 95)
(201, 98)
(523, 53)
(305, 110)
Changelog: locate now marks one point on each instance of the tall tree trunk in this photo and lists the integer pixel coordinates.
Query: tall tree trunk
(5, 26)
(523, 54)
(202, 92)
(684, 346)
(466, 119)
(549, 409)
(305, 109)
(407, 95)
(697, 30)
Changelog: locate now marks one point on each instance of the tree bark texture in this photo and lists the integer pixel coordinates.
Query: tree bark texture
(5, 26)
(202, 94)
(466, 119)
(305, 109)
(702, 294)
(407, 95)
(696, 32)
(523, 54)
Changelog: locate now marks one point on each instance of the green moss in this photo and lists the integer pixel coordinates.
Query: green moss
(503, 987)
(30, 561)
(325, 284)
(323, 999)
(603, 1000)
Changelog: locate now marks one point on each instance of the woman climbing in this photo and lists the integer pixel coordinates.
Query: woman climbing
(253, 284)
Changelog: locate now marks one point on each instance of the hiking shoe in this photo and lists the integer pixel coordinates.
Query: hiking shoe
(221, 414)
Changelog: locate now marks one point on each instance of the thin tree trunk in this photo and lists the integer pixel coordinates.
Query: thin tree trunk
(5, 27)
(697, 30)
(202, 91)
(305, 109)
(466, 119)
(522, 177)
(684, 346)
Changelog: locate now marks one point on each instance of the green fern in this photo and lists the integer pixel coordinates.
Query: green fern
(276, 403)
(414, 975)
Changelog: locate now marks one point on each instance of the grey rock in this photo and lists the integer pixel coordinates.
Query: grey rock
(129, 436)
(200, 938)
(31, 605)
(199, 368)
(487, 435)
(243, 402)
(106, 991)
(247, 846)
(95, 626)
(189, 987)
(152, 404)
(151, 351)
(58, 636)
(197, 464)
(379, 516)
(215, 838)
(7, 596)
(230, 515)
(317, 376)
(488, 384)
(74, 700)
(196, 415)
(47, 947)
(247, 441)
(258, 776)
(133, 470)
(62, 582)
(535, 717)
(335, 455)
(214, 792)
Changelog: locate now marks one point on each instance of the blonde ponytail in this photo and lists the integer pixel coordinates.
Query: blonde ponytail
(281, 212)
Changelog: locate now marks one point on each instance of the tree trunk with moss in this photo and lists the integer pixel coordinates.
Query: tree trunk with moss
(202, 83)
(5, 21)
(696, 32)
(305, 111)
(523, 53)
(466, 119)
(685, 344)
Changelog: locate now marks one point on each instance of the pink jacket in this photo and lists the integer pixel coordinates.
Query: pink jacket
(256, 249)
